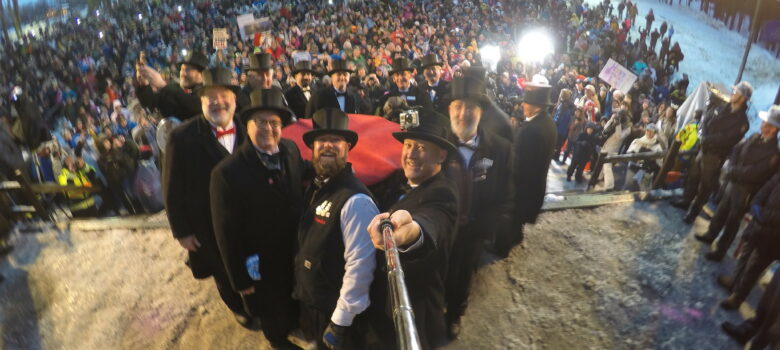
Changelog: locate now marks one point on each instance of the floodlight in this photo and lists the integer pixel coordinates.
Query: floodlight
(535, 46)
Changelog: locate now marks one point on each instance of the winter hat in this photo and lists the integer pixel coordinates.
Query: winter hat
(772, 116)
(744, 88)
(652, 127)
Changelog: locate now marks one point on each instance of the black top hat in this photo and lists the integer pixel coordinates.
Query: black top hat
(302, 67)
(339, 66)
(196, 59)
(430, 60)
(218, 76)
(475, 71)
(261, 61)
(537, 94)
(400, 65)
(469, 88)
(327, 121)
(434, 127)
(267, 100)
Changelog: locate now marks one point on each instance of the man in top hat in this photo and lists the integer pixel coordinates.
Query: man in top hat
(173, 100)
(434, 86)
(298, 95)
(532, 151)
(256, 200)
(422, 204)
(194, 148)
(494, 119)
(335, 262)
(337, 94)
(753, 161)
(402, 74)
(487, 160)
(718, 135)
(259, 75)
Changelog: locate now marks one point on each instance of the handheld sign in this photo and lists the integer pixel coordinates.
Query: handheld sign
(617, 76)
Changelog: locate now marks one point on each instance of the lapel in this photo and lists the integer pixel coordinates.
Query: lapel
(482, 151)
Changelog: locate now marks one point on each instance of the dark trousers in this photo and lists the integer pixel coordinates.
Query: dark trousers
(767, 314)
(702, 180)
(559, 145)
(508, 239)
(731, 208)
(277, 312)
(466, 251)
(751, 264)
(577, 166)
(569, 150)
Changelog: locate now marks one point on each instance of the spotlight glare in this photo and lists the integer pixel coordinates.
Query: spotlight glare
(535, 46)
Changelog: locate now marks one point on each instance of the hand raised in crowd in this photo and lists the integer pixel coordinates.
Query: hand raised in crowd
(148, 76)
(190, 243)
(405, 230)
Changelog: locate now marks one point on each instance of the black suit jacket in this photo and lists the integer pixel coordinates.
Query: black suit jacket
(441, 100)
(255, 211)
(433, 205)
(297, 100)
(326, 97)
(496, 121)
(491, 187)
(191, 154)
(532, 150)
(171, 101)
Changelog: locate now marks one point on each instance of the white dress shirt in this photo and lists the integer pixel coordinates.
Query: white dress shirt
(359, 259)
(227, 141)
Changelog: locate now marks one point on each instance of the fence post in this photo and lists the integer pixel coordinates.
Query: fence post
(594, 175)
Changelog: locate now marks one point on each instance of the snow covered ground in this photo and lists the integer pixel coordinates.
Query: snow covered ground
(713, 52)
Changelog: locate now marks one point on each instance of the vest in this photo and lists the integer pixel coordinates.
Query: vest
(319, 264)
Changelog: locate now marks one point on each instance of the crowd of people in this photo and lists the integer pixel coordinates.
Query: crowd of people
(477, 142)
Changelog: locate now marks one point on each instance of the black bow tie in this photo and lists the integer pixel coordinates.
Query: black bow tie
(343, 94)
(319, 181)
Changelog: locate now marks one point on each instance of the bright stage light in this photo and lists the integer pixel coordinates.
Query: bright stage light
(490, 54)
(100, 35)
(183, 52)
(535, 46)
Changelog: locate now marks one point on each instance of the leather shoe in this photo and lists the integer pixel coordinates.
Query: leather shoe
(730, 303)
(714, 256)
(705, 238)
(741, 332)
(726, 281)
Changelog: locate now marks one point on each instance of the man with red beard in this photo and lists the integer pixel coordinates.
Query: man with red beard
(335, 262)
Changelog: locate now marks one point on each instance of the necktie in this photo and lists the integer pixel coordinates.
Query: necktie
(230, 131)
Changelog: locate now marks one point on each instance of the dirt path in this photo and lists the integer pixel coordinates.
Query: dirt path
(617, 277)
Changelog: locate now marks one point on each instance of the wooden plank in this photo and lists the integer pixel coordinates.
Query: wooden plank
(585, 201)
(55, 188)
(140, 222)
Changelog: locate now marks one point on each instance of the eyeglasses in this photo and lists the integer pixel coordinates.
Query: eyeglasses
(272, 123)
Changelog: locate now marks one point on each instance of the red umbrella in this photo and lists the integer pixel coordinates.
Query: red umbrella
(376, 155)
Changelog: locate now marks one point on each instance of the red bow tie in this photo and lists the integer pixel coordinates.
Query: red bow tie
(230, 131)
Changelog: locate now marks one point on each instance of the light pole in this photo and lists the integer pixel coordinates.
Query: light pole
(751, 37)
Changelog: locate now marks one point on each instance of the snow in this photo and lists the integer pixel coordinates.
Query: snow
(713, 52)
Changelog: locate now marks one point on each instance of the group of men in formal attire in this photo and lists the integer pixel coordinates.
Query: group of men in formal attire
(294, 243)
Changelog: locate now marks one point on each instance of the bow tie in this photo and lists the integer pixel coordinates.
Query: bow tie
(467, 145)
(319, 181)
(306, 89)
(230, 131)
(342, 94)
